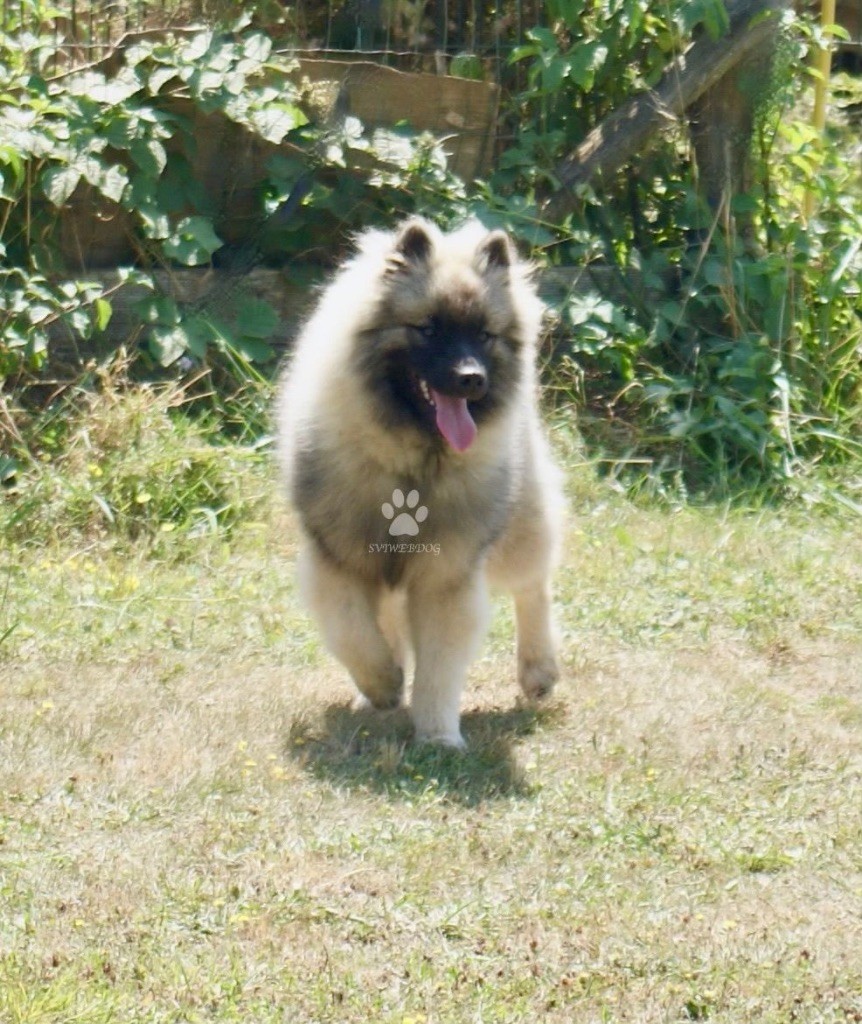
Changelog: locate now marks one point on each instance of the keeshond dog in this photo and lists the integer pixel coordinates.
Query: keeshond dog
(411, 446)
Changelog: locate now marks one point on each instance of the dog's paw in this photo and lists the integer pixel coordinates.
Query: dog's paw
(451, 741)
(382, 696)
(377, 702)
(537, 677)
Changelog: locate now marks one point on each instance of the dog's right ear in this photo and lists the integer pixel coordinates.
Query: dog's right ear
(413, 244)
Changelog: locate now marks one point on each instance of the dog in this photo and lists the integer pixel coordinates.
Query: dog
(410, 442)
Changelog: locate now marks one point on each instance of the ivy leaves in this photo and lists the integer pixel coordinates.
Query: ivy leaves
(192, 242)
(122, 139)
(116, 134)
(172, 147)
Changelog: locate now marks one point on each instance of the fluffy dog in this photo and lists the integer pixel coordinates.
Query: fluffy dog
(412, 449)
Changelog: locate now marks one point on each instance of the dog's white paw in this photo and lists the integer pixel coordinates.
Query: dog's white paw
(537, 676)
(450, 740)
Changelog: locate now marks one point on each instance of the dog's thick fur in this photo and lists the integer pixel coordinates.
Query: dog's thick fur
(422, 325)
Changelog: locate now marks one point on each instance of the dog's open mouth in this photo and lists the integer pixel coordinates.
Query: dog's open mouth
(451, 415)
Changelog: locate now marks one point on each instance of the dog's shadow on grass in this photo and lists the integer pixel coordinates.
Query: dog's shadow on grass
(373, 751)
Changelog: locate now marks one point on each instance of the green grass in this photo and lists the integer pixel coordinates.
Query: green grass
(194, 826)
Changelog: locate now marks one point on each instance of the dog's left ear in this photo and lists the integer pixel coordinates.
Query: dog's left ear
(413, 244)
(496, 251)
(414, 241)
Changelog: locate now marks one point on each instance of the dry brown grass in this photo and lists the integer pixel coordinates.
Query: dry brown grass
(195, 827)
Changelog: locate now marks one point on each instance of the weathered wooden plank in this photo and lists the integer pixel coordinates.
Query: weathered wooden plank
(460, 111)
(627, 130)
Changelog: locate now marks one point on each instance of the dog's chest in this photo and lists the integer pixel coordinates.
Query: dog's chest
(373, 519)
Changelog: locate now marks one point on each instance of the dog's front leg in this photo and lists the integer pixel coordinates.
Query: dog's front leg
(447, 624)
(347, 611)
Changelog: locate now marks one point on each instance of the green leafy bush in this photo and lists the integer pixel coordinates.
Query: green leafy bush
(728, 353)
(580, 66)
(733, 360)
(745, 366)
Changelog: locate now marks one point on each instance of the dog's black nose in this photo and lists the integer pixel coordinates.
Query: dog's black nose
(471, 380)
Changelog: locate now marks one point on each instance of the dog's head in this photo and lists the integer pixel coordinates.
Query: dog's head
(454, 335)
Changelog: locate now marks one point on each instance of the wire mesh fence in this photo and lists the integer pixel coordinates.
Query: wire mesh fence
(413, 27)
(410, 34)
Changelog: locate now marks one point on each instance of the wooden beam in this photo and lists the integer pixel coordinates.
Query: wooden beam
(626, 131)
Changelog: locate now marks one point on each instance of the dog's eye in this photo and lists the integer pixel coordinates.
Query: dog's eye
(426, 330)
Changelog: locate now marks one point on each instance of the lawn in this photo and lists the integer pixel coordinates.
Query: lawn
(194, 826)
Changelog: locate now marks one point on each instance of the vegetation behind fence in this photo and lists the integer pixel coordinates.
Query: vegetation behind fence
(728, 353)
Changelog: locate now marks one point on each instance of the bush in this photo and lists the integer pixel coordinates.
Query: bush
(736, 362)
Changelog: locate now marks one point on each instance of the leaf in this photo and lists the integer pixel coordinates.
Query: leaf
(168, 344)
(206, 81)
(544, 36)
(522, 52)
(583, 309)
(160, 309)
(716, 19)
(160, 77)
(106, 92)
(276, 120)
(199, 335)
(39, 313)
(571, 12)
(193, 241)
(102, 312)
(112, 183)
(90, 167)
(105, 507)
(849, 256)
(253, 349)
(58, 183)
(11, 158)
(257, 47)
(715, 272)
(256, 318)
(197, 47)
(235, 83)
(584, 61)
(149, 155)
(553, 73)
(80, 321)
(8, 469)
(155, 221)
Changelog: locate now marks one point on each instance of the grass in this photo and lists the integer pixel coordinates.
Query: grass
(194, 826)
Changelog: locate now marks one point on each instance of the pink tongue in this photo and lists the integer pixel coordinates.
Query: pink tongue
(454, 421)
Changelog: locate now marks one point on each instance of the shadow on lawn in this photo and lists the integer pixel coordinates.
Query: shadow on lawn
(373, 750)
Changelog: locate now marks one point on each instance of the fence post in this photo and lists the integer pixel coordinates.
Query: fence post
(823, 69)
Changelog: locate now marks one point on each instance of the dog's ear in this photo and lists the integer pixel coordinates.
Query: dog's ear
(496, 251)
(414, 240)
(413, 243)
